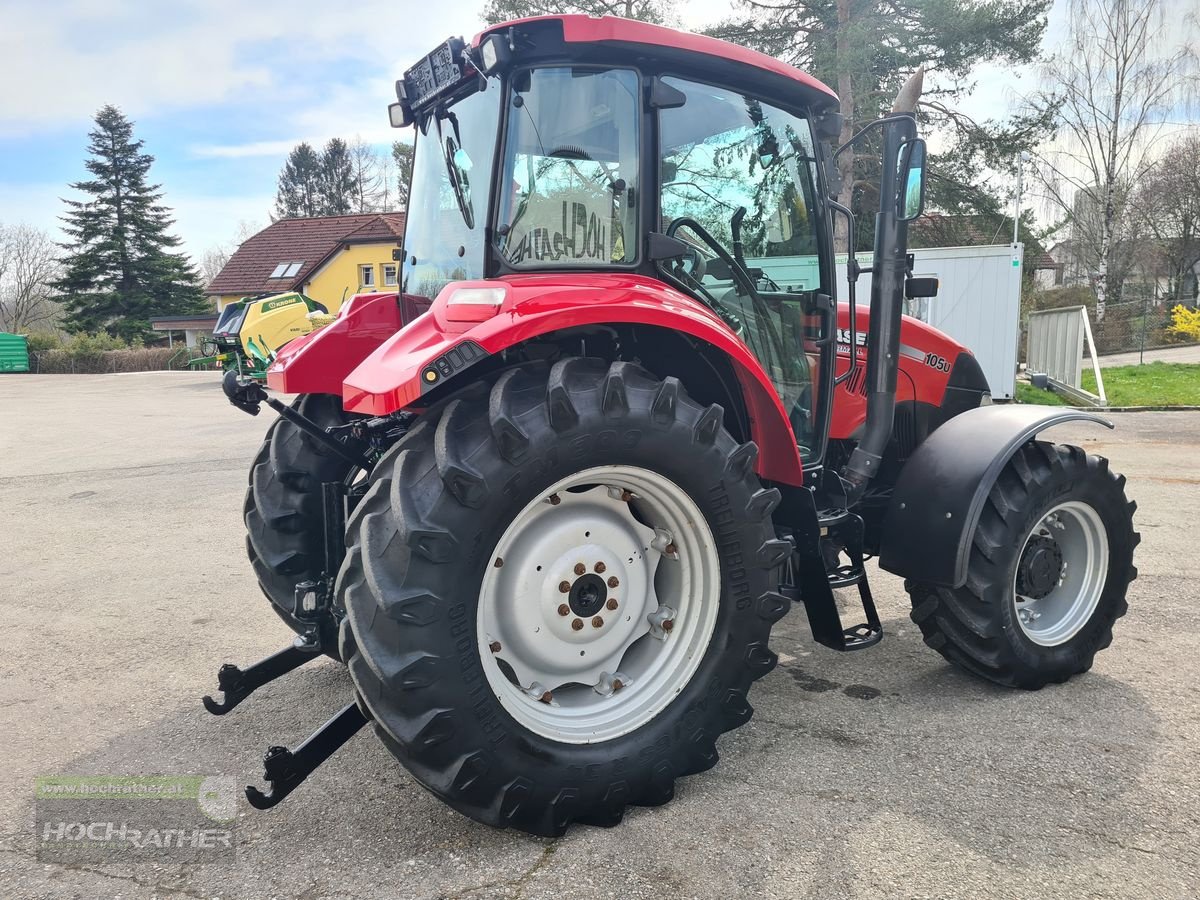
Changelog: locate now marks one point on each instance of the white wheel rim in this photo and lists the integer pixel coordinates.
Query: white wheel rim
(657, 559)
(1078, 533)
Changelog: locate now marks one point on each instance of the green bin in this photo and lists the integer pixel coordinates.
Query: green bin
(14, 352)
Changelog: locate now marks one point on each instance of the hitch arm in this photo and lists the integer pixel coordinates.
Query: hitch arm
(246, 394)
(237, 684)
(285, 769)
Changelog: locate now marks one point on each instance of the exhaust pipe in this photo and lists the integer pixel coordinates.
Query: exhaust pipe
(887, 294)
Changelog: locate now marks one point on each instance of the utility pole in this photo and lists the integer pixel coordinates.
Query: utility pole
(1022, 157)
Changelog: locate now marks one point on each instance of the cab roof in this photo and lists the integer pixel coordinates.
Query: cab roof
(721, 55)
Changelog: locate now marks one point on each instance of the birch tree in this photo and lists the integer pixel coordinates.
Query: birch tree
(1125, 69)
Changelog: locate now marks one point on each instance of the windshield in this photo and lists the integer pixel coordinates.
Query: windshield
(447, 207)
(744, 172)
(570, 174)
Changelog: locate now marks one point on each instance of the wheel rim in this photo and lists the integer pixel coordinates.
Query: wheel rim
(560, 658)
(1061, 573)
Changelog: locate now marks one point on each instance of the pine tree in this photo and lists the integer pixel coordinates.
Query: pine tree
(402, 156)
(119, 269)
(299, 190)
(337, 182)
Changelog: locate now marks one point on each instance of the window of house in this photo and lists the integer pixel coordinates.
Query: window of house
(366, 276)
(389, 275)
(287, 269)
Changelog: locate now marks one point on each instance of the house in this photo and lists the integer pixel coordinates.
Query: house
(328, 258)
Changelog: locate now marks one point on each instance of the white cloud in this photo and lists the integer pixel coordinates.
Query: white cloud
(63, 60)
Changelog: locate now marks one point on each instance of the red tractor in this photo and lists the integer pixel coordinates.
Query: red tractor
(549, 524)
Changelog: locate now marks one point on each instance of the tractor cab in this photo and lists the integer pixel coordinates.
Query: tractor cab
(558, 145)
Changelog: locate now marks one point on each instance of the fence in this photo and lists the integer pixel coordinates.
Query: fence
(1057, 338)
(1141, 321)
(102, 362)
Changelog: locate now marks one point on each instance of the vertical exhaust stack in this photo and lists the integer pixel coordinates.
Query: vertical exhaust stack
(887, 293)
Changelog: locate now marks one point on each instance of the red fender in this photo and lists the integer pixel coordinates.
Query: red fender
(317, 363)
(392, 377)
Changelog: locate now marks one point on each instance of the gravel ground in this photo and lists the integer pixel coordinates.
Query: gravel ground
(123, 584)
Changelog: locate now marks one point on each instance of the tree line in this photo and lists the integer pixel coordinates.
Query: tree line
(343, 178)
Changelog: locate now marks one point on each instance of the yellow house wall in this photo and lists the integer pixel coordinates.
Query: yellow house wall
(339, 278)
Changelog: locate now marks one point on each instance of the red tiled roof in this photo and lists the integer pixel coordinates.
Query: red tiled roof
(307, 241)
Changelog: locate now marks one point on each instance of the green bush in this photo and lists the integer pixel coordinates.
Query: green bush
(44, 340)
(83, 344)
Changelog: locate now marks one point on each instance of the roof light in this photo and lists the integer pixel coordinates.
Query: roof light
(473, 304)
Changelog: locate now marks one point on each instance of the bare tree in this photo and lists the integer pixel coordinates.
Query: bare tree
(215, 257)
(28, 263)
(1114, 83)
(213, 261)
(1167, 204)
(368, 177)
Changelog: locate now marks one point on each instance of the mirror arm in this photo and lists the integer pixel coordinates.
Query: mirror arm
(870, 126)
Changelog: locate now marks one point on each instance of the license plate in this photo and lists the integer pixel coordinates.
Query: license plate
(438, 71)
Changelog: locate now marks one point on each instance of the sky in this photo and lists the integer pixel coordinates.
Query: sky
(220, 90)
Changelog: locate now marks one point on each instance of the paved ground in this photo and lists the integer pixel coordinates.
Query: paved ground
(123, 584)
(1188, 354)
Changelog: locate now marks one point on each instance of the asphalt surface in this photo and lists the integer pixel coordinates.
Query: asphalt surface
(123, 584)
(1188, 354)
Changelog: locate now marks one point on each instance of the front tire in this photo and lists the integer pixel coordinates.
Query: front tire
(283, 506)
(453, 591)
(1050, 564)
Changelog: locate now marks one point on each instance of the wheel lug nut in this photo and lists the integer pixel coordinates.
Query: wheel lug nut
(612, 581)
(580, 568)
(671, 549)
(499, 562)
(555, 499)
(564, 587)
(617, 684)
(612, 603)
(495, 646)
(563, 609)
(668, 624)
(577, 624)
(600, 567)
(597, 622)
(546, 697)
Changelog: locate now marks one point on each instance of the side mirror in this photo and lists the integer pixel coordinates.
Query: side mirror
(911, 165)
(923, 286)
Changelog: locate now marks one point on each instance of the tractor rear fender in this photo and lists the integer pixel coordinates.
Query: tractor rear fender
(935, 507)
(456, 336)
(317, 363)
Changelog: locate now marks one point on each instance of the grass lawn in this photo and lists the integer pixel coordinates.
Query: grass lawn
(1154, 384)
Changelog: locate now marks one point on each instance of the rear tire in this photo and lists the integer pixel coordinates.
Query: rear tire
(423, 552)
(1022, 620)
(282, 510)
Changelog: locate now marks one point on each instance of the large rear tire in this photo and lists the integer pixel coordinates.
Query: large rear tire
(559, 593)
(283, 512)
(1050, 565)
